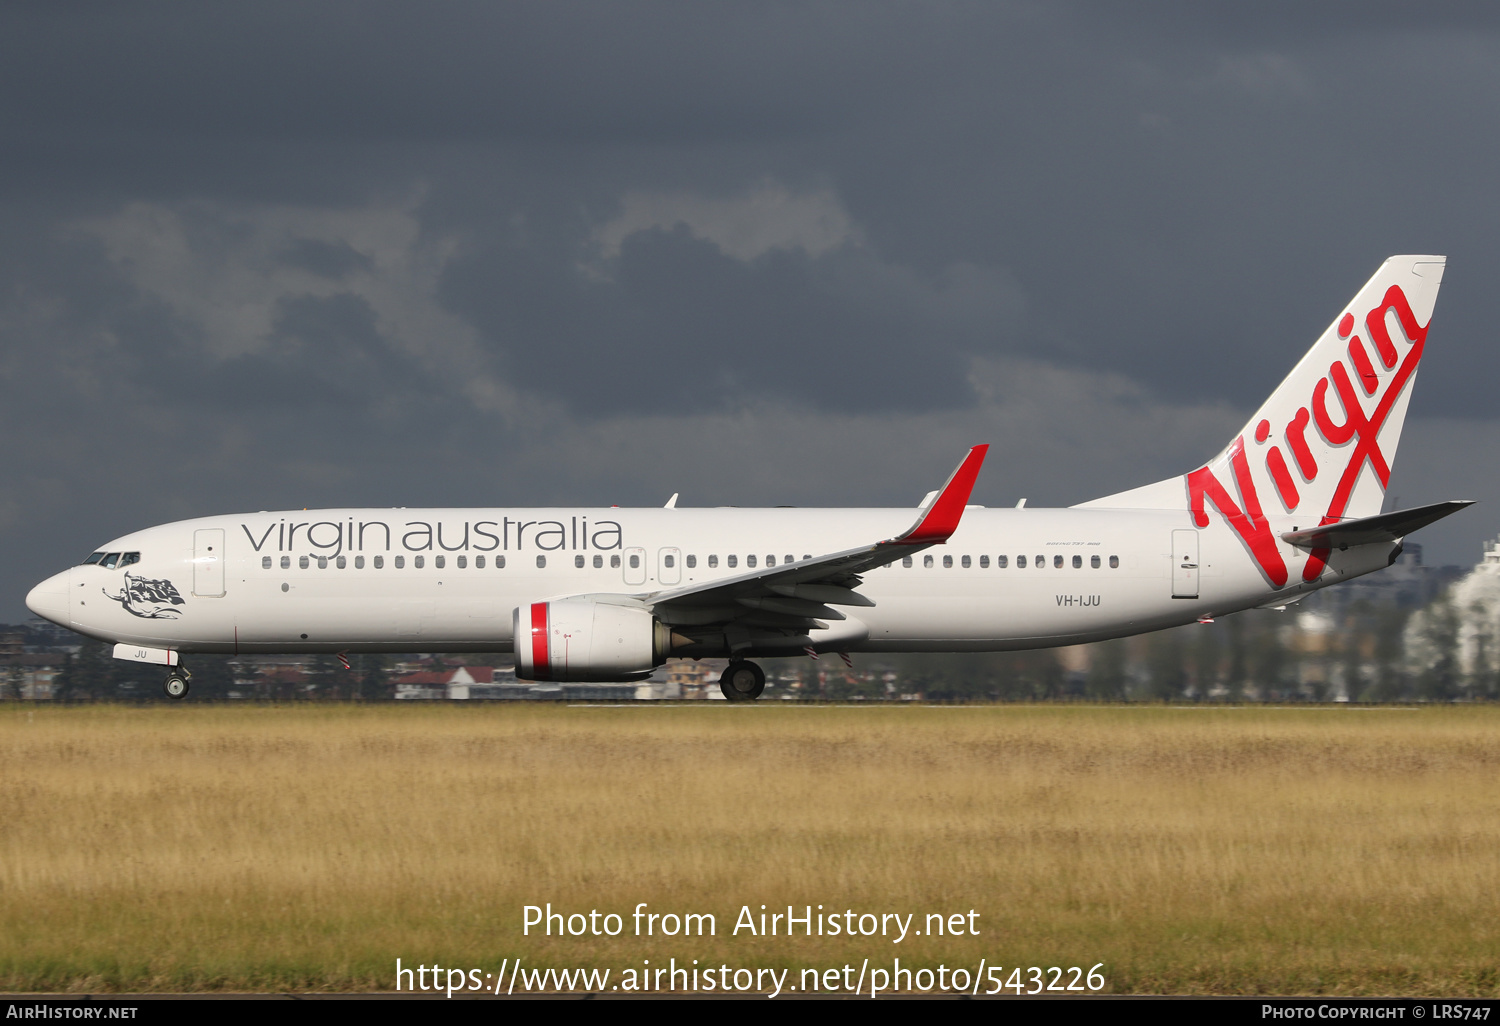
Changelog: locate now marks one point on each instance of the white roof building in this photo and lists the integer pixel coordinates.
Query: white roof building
(1461, 628)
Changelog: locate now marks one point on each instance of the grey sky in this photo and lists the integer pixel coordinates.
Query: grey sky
(286, 255)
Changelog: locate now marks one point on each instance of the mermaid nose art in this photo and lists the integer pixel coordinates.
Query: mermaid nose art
(50, 599)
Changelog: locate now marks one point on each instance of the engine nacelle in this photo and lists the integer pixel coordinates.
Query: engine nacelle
(581, 639)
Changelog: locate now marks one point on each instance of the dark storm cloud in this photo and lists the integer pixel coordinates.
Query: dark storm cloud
(677, 310)
(329, 259)
(324, 353)
(291, 254)
(379, 71)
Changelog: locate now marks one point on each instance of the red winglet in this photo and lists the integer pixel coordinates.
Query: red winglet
(946, 510)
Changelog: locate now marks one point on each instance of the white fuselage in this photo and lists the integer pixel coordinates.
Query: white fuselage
(348, 580)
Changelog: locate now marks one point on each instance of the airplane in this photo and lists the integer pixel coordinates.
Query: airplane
(1291, 505)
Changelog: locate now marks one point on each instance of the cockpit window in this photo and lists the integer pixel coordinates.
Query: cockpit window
(112, 560)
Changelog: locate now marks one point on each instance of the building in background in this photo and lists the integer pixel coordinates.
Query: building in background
(686, 678)
(29, 677)
(1453, 643)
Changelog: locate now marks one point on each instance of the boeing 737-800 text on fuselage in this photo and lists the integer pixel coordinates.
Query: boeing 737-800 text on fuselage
(1291, 505)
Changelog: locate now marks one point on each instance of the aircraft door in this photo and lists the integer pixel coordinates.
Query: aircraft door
(668, 566)
(1185, 564)
(635, 566)
(208, 563)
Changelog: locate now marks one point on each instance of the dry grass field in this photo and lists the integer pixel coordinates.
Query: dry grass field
(1225, 850)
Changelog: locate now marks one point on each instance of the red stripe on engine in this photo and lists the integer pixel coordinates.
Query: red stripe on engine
(541, 664)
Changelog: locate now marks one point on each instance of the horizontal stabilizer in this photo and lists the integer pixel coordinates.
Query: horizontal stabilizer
(1386, 527)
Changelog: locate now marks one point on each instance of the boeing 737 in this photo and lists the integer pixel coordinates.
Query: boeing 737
(1292, 504)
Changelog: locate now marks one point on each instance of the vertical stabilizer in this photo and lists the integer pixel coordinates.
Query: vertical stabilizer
(1323, 444)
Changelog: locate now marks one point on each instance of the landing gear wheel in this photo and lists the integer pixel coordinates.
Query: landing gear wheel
(742, 681)
(176, 685)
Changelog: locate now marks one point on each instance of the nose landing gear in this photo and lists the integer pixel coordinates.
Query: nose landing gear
(742, 681)
(176, 684)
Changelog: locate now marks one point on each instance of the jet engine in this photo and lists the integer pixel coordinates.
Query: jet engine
(584, 639)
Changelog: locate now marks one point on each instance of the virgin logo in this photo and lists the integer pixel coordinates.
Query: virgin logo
(1356, 429)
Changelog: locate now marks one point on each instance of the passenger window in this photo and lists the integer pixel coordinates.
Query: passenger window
(1077, 562)
(947, 562)
(286, 562)
(111, 561)
(379, 562)
(302, 562)
(463, 562)
(668, 561)
(806, 556)
(1039, 562)
(578, 562)
(1114, 561)
(713, 562)
(499, 562)
(342, 562)
(1021, 562)
(750, 562)
(732, 561)
(265, 562)
(134, 557)
(635, 562)
(438, 561)
(1094, 562)
(1057, 562)
(1001, 562)
(770, 561)
(598, 562)
(417, 561)
(359, 562)
(906, 561)
(400, 562)
(692, 562)
(966, 562)
(614, 562)
(478, 562)
(927, 562)
(94, 557)
(322, 562)
(541, 562)
(788, 559)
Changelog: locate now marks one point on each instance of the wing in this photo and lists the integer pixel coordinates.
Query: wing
(794, 598)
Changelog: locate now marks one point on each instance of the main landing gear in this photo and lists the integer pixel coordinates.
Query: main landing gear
(742, 681)
(176, 684)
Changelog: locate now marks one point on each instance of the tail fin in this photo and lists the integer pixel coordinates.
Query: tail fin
(1337, 415)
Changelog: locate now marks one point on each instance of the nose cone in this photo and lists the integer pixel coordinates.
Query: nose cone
(50, 599)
